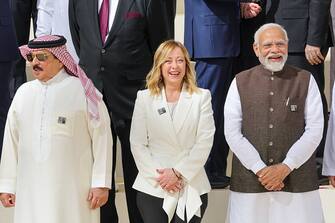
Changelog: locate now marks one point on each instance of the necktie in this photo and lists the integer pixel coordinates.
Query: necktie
(103, 19)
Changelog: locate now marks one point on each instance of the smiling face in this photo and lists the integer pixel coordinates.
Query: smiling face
(272, 49)
(46, 68)
(173, 68)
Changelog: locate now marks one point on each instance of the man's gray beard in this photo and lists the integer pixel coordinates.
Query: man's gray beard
(273, 66)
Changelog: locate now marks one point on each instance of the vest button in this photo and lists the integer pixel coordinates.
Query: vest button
(102, 68)
(271, 160)
(270, 126)
(271, 109)
(103, 51)
(271, 143)
(272, 78)
(271, 93)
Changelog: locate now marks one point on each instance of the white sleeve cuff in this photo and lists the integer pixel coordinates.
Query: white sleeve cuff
(328, 171)
(101, 182)
(290, 163)
(8, 186)
(257, 166)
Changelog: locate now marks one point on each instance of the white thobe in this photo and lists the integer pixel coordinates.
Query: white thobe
(274, 207)
(52, 155)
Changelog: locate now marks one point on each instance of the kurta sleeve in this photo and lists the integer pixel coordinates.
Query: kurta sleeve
(9, 158)
(328, 167)
(304, 147)
(45, 11)
(102, 144)
(146, 165)
(190, 165)
(239, 145)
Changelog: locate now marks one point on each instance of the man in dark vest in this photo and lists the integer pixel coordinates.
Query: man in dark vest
(273, 124)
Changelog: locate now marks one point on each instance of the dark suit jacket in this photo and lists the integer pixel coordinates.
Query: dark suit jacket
(8, 46)
(212, 28)
(170, 14)
(306, 21)
(118, 67)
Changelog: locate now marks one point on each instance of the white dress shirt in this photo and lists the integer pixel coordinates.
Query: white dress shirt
(269, 207)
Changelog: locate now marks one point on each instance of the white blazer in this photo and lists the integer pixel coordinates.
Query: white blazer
(182, 142)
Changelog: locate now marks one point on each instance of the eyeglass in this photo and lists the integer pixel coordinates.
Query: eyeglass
(40, 56)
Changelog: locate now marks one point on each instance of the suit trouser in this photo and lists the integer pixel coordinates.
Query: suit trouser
(170, 15)
(299, 60)
(5, 68)
(247, 58)
(22, 11)
(152, 211)
(216, 74)
(122, 129)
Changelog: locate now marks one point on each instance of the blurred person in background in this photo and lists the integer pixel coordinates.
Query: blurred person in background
(115, 41)
(53, 18)
(212, 37)
(9, 53)
(24, 13)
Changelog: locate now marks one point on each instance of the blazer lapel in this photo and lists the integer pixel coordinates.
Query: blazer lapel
(182, 110)
(95, 16)
(163, 113)
(120, 16)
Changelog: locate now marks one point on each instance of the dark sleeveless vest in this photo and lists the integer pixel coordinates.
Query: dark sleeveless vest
(273, 107)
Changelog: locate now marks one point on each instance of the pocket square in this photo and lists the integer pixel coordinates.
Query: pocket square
(133, 15)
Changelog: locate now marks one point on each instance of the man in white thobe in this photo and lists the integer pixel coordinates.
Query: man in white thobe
(273, 124)
(56, 161)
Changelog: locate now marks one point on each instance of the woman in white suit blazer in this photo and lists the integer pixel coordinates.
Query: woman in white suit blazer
(171, 136)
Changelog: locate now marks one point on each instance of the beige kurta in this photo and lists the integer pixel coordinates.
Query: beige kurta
(52, 155)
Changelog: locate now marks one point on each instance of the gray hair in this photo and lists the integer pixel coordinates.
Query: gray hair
(266, 27)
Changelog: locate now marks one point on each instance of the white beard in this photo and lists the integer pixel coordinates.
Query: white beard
(272, 66)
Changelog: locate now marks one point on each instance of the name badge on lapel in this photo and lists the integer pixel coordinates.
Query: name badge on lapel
(294, 108)
(161, 111)
(61, 120)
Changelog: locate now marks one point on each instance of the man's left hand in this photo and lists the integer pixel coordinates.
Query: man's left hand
(7, 200)
(272, 177)
(98, 197)
(313, 55)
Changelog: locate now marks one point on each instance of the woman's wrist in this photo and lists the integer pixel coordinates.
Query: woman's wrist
(176, 173)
